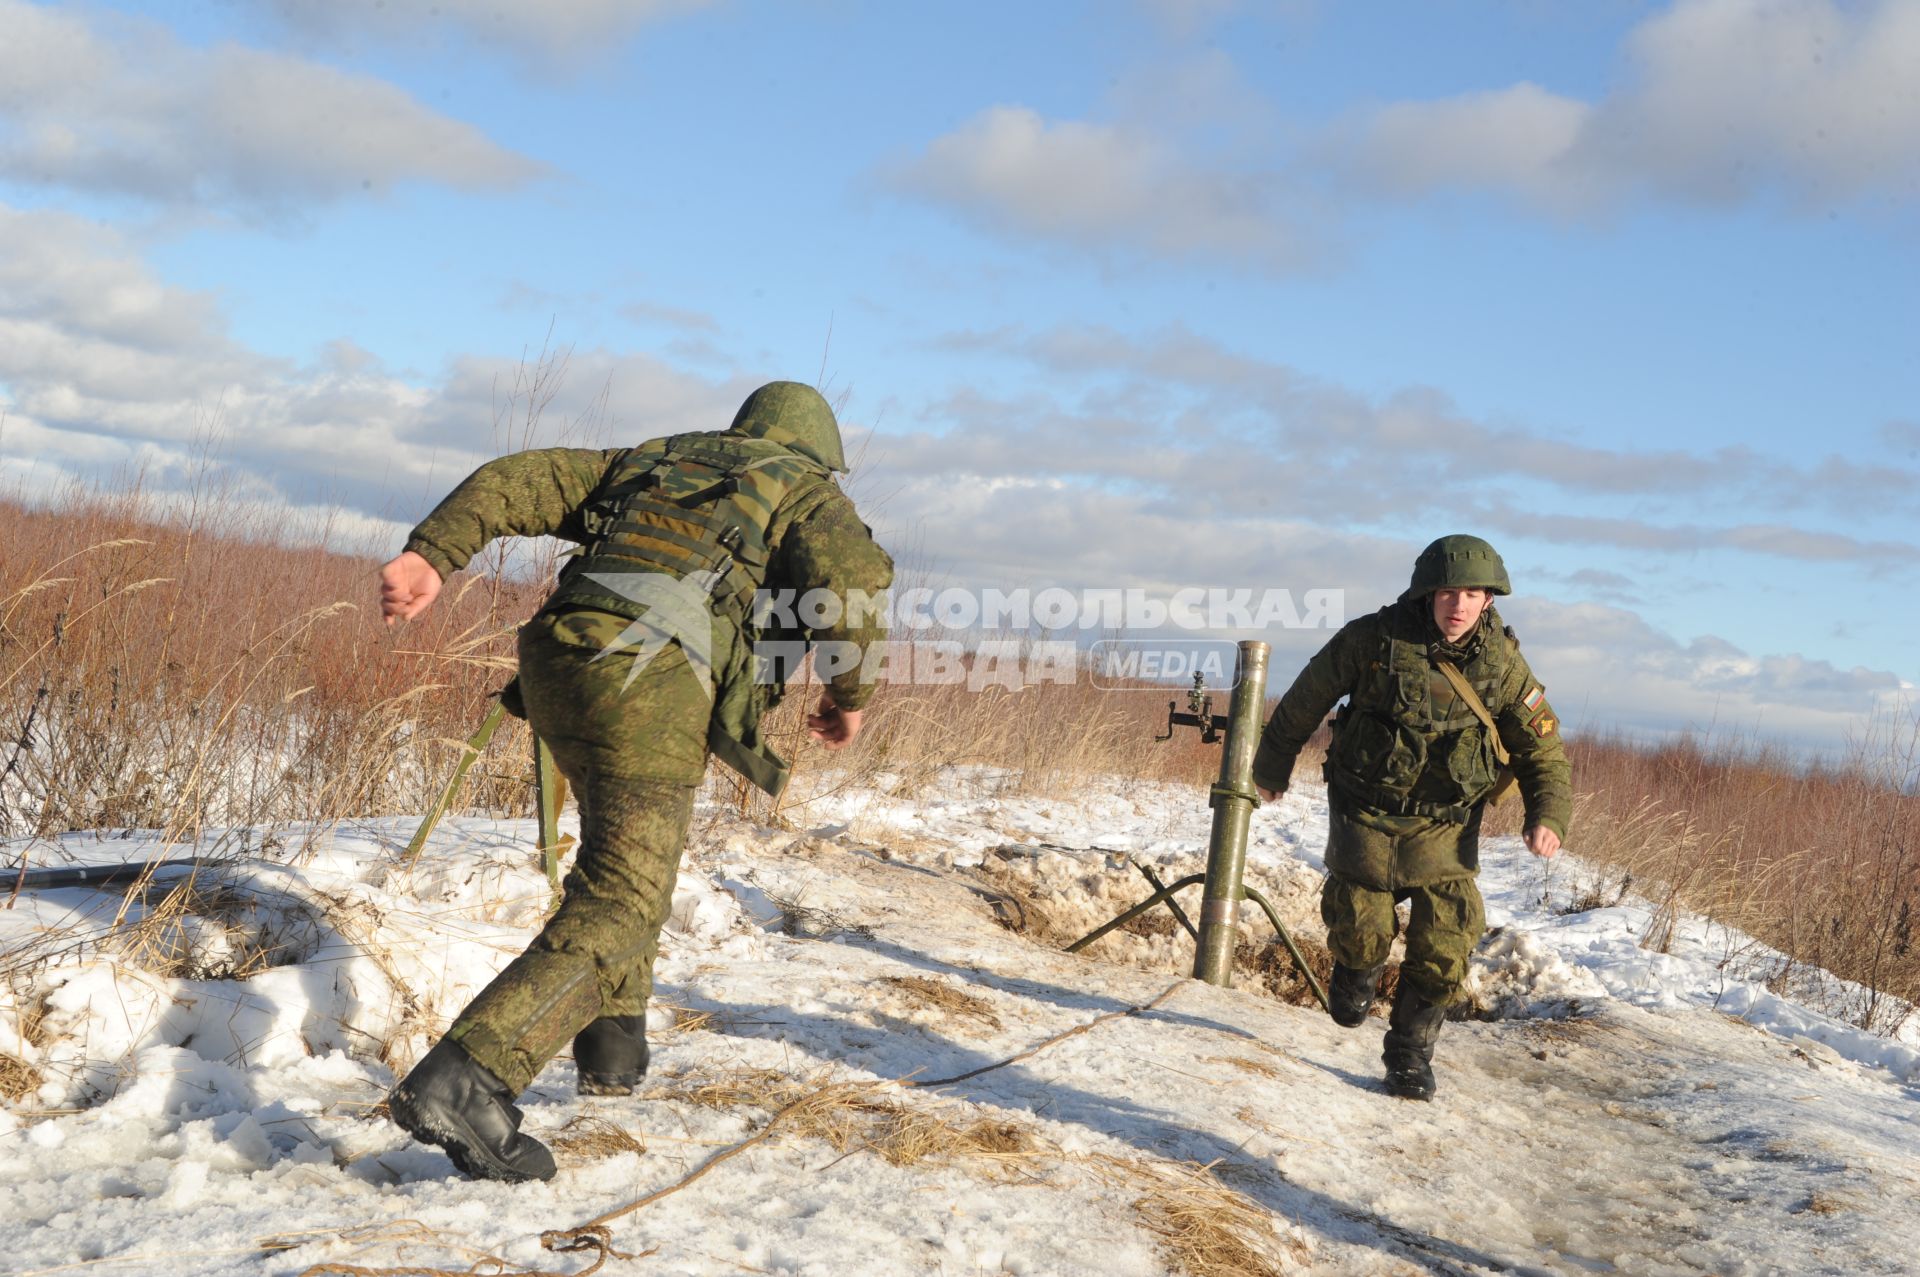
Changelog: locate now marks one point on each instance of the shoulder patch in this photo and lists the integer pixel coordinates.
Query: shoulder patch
(1544, 723)
(1535, 698)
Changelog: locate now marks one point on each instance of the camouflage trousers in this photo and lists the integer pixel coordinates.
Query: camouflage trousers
(634, 754)
(1447, 921)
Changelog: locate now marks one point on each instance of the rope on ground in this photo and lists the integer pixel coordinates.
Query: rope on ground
(563, 1239)
(586, 1237)
(1052, 1041)
(554, 1240)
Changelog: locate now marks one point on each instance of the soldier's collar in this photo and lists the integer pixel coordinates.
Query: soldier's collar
(1469, 645)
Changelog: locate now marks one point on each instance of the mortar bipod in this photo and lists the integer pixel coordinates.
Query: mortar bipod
(1233, 798)
(1166, 893)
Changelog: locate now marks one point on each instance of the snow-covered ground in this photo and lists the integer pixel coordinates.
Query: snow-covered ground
(204, 1101)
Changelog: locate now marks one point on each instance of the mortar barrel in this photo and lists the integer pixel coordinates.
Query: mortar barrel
(1233, 801)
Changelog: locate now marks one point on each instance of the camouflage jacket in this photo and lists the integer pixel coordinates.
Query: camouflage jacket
(814, 540)
(1407, 744)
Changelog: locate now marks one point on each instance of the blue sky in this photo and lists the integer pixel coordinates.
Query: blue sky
(1139, 293)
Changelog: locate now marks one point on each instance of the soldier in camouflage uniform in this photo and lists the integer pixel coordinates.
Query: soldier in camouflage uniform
(639, 665)
(1441, 708)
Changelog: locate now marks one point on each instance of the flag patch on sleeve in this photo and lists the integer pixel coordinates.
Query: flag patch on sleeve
(1533, 699)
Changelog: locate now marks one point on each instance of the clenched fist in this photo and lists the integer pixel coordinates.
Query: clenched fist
(408, 586)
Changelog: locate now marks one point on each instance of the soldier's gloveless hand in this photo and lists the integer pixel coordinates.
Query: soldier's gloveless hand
(408, 586)
(1542, 842)
(1267, 795)
(832, 726)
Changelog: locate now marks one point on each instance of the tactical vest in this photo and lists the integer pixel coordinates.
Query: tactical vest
(1405, 744)
(697, 507)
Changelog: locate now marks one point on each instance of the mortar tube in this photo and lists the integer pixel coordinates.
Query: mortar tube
(1233, 800)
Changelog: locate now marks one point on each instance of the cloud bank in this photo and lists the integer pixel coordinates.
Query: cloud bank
(127, 110)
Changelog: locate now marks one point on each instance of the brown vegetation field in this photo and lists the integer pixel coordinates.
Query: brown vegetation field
(214, 671)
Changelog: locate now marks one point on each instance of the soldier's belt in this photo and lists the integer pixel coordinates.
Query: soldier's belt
(1445, 813)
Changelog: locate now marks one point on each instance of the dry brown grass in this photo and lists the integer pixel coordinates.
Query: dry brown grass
(1821, 1202)
(591, 1138)
(942, 996)
(170, 670)
(1206, 1229)
(685, 1020)
(907, 1137)
(862, 1117)
(200, 666)
(1154, 922)
(18, 1079)
(1259, 1068)
(202, 929)
(1819, 861)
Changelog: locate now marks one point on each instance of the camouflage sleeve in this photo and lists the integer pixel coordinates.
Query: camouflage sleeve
(831, 549)
(1531, 732)
(528, 494)
(1331, 674)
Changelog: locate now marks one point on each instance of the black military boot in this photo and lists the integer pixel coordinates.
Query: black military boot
(1350, 996)
(611, 1054)
(1412, 1030)
(450, 1100)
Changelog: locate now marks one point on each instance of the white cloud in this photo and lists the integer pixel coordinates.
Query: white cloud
(128, 110)
(1718, 101)
(1178, 463)
(549, 32)
(1517, 138)
(103, 366)
(1606, 666)
(1259, 433)
(1102, 187)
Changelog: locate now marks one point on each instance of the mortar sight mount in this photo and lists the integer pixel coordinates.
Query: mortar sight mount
(1213, 727)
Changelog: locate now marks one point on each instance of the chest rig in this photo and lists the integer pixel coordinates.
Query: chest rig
(1407, 744)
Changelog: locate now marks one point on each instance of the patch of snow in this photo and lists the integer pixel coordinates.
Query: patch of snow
(1625, 1111)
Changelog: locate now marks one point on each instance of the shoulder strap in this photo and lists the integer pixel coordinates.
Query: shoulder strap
(1473, 702)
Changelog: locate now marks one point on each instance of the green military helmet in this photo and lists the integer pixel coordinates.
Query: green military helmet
(1458, 562)
(795, 415)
